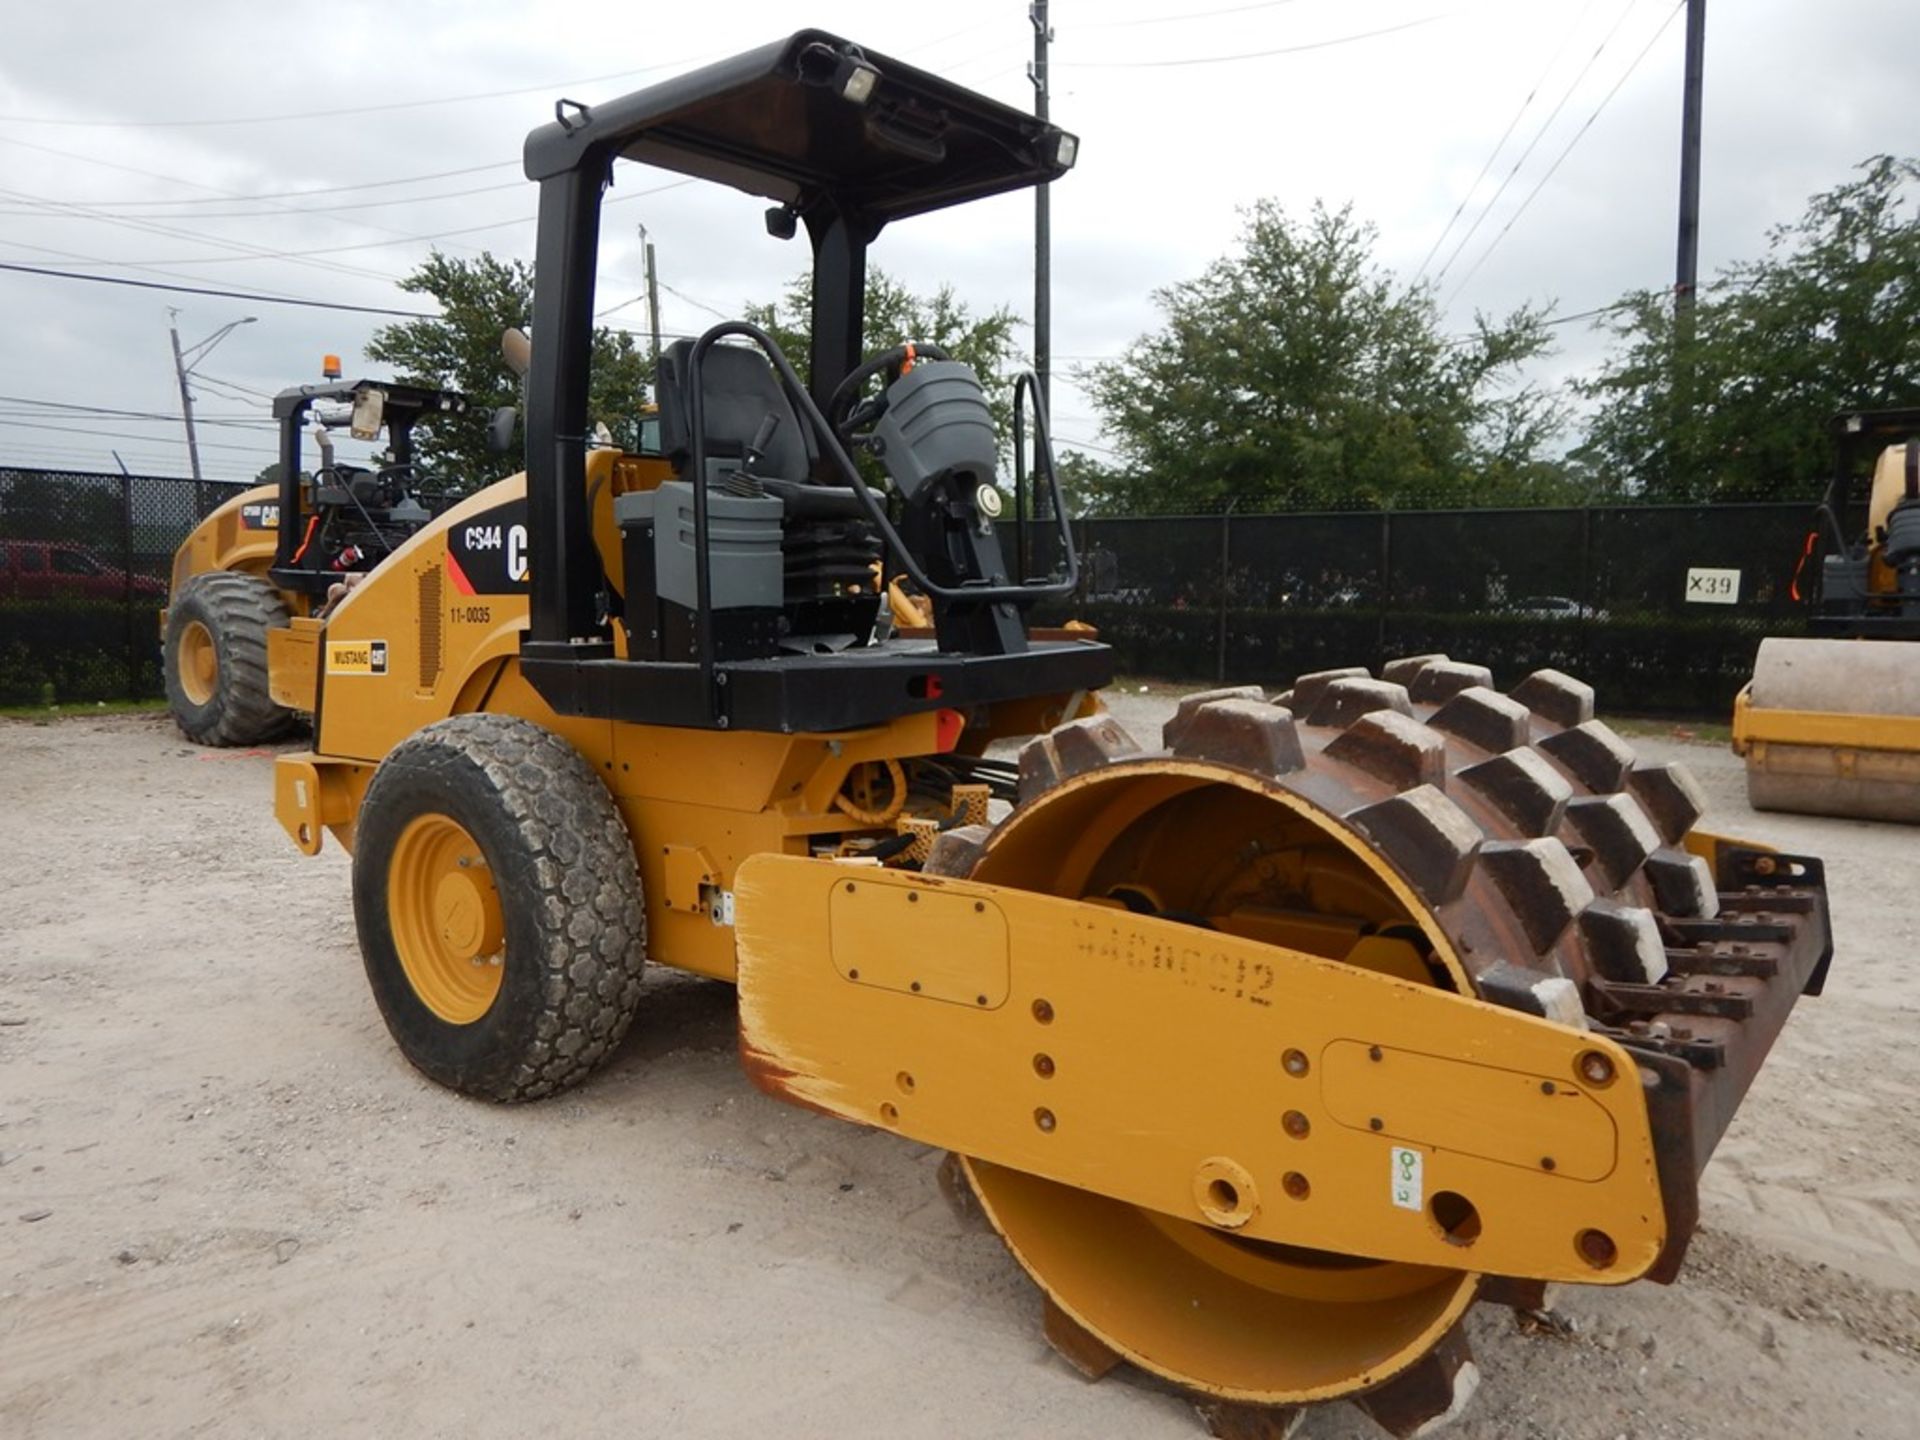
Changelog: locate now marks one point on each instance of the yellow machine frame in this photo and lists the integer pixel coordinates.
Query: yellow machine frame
(697, 802)
(711, 811)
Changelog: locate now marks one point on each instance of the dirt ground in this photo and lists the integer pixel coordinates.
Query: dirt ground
(229, 1207)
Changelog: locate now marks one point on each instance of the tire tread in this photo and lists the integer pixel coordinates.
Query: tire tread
(238, 609)
(585, 898)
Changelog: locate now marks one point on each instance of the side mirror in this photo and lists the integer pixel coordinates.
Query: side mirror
(517, 350)
(500, 430)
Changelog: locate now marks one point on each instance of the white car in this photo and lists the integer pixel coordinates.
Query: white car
(1552, 607)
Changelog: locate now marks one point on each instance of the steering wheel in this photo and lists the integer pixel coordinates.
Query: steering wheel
(394, 481)
(847, 412)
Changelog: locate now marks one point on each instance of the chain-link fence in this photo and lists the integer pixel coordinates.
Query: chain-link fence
(1660, 607)
(84, 562)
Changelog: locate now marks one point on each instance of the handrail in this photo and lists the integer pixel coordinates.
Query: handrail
(1020, 480)
(973, 593)
(1023, 383)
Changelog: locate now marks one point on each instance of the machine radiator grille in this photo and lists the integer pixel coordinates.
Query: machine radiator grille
(432, 617)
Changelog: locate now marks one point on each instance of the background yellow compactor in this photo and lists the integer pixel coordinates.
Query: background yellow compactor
(1269, 1044)
(276, 550)
(1830, 725)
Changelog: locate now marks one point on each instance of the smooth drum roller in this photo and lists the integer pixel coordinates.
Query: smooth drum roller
(1832, 727)
(1267, 1049)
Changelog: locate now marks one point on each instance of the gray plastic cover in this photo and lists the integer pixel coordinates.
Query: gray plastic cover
(937, 422)
(745, 569)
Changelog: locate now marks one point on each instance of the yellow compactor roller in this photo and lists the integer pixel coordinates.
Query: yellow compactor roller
(1270, 1044)
(1830, 725)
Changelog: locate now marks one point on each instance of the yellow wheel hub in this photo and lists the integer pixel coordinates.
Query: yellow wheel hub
(445, 915)
(198, 662)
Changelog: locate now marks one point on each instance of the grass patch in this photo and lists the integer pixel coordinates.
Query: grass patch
(1152, 685)
(80, 708)
(1702, 732)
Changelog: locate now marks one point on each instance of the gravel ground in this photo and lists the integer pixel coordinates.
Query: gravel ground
(228, 1206)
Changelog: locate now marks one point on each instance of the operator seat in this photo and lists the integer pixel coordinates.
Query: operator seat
(756, 444)
(745, 411)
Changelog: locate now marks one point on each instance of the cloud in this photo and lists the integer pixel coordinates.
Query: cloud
(1398, 125)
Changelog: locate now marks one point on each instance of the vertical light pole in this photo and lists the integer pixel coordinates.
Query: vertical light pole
(183, 367)
(1042, 250)
(186, 395)
(1687, 260)
(1686, 269)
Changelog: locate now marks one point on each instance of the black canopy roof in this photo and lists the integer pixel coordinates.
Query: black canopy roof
(844, 140)
(778, 122)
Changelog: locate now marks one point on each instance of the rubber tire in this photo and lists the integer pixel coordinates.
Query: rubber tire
(1903, 534)
(238, 611)
(571, 903)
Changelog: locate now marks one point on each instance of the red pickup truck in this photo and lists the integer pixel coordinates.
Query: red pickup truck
(53, 569)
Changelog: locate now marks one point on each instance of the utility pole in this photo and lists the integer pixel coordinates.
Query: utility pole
(183, 367)
(653, 296)
(653, 303)
(186, 395)
(1042, 248)
(1687, 262)
(1686, 270)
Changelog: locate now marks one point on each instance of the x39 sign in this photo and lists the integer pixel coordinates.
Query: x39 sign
(1713, 587)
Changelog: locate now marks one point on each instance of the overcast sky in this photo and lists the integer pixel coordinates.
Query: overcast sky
(240, 145)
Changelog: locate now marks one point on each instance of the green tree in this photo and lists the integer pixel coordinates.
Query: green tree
(1091, 485)
(460, 350)
(1734, 403)
(895, 315)
(1294, 374)
(61, 507)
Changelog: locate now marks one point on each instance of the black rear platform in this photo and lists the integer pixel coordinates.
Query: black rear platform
(807, 694)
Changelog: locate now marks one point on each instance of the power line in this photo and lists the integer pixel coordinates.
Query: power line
(226, 195)
(74, 210)
(262, 253)
(67, 122)
(1251, 54)
(246, 292)
(1625, 75)
(1501, 143)
(64, 409)
(1086, 444)
(292, 209)
(63, 460)
(388, 107)
(218, 195)
(232, 385)
(255, 296)
(926, 45)
(1179, 18)
(80, 210)
(1538, 136)
(998, 52)
(123, 435)
(129, 417)
(697, 304)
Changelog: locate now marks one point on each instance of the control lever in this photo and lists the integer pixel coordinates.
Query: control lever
(763, 437)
